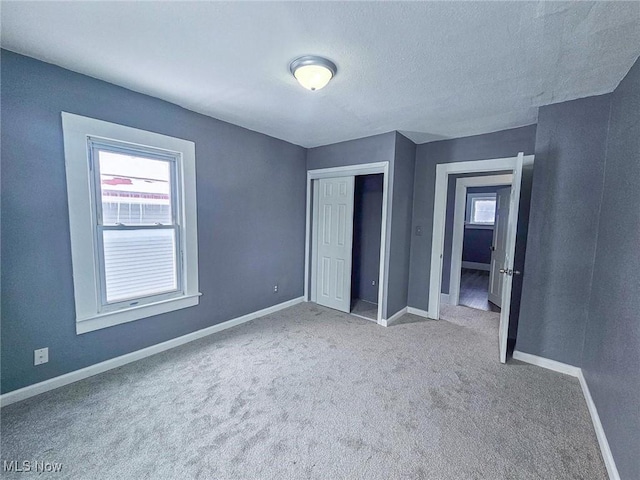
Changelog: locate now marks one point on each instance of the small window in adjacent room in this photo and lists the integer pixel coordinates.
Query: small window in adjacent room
(132, 217)
(481, 209)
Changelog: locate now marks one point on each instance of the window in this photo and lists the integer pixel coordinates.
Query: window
(481, 209)
(132, 216)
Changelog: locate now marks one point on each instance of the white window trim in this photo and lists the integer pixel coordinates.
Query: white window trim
(76, 130)
(471, 197)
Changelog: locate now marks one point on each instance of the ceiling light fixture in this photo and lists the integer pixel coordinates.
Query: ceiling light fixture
(313, 72)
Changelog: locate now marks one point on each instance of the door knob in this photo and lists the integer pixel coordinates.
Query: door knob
(508, 271)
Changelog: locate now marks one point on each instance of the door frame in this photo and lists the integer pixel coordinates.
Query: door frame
(462, 184)
(311, 224)
(443, 170)
(494, 268)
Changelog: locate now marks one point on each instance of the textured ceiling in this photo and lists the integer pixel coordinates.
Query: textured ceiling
(431, 70)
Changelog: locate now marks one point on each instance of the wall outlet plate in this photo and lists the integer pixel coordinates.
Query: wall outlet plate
(275, 289)
(41, 356)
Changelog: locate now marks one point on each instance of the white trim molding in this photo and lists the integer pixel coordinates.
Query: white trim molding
(351, 170)
(576, 372)
(445, 299)
(607, 456)
(393, 318)
(546, 363)
(77, 375)
(418, 312)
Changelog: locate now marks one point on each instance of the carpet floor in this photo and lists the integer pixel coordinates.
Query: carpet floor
(365, 309)
(312, 393)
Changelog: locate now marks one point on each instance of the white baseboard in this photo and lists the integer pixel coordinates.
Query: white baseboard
(67, 378)
(417, 311)
(477, 266)
(546, 363)
(609, 461)
(393, 318)
(444, 298)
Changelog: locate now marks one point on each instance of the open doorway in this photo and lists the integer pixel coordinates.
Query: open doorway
(367, 225)
(503, 267)
(479, 247)
(475, 236)
(483, 247)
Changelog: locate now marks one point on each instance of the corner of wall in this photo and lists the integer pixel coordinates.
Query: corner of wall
(595, 249)
(560, 240)
(306, 158)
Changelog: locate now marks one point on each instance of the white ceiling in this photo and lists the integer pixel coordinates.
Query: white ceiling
(431, 70)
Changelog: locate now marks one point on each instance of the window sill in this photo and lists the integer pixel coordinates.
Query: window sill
(105, 320)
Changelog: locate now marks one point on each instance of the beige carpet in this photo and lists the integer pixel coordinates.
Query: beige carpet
(313, 393)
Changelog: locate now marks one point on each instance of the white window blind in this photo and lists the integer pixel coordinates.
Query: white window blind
(139, 263)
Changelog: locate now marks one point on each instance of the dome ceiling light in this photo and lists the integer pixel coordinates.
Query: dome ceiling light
(313, 72)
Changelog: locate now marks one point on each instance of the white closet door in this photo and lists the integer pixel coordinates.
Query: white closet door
(335, 240)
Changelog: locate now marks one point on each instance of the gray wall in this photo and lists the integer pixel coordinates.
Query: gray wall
(377, 148)
(580, 302)
(402, 210)
(367, 223)
(611, 356)
(251, 220)
(506, 143)
(567, 187)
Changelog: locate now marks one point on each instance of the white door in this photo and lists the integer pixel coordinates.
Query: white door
(507, 270)
(499, 245)
(335, 239)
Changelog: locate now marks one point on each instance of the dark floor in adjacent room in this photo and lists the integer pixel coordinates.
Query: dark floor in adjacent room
(474, 290)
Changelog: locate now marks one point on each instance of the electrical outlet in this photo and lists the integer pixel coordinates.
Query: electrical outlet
(275, 289)
(41, 356)
(373, 283)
